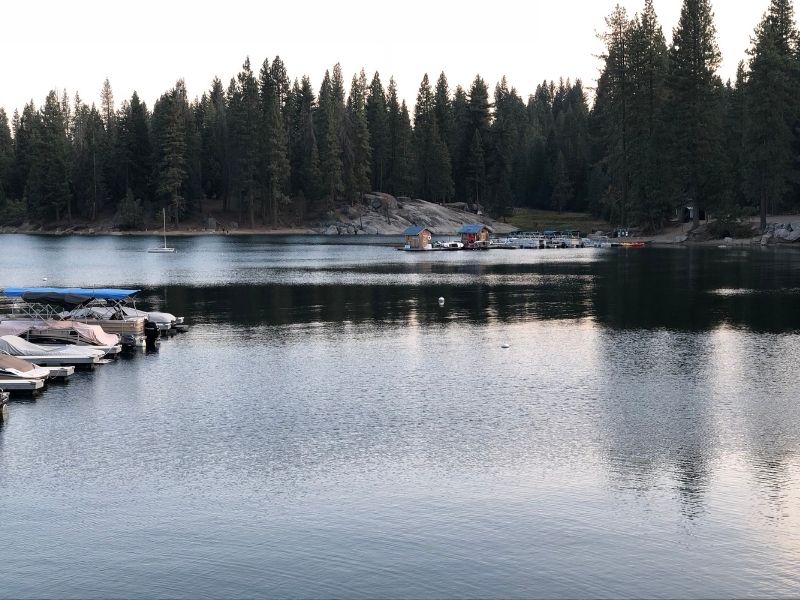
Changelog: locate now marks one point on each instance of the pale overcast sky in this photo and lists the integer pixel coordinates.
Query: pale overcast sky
(147, 45)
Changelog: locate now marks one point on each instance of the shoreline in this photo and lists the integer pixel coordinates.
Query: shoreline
(657, 241)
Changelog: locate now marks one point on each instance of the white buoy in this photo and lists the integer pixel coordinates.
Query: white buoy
(44, 278)
(441, 301)
(505, 346)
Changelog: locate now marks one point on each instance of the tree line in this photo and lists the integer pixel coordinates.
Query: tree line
(663, 132)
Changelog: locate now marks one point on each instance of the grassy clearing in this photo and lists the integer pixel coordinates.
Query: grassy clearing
(540, 220)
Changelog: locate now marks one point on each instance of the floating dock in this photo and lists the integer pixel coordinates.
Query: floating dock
(21, 385)
(60, 372)
(64, 361)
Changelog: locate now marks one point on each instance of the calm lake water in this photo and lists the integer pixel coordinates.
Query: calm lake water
(326, 429)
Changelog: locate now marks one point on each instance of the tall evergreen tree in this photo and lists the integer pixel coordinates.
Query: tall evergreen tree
(329, 140)
(88, 182)
(478, 130)
(214, 141)
(434, 181)
(133, 155)
(405, 159)
(170, 145)
(648, 72)
(771, 109)
(304, 153)
(377, 123)
(107, 104)
(462, 130)
(358, 157)
(6, 156)
(443, 113)
(507, 137)
(47, 187)
(22, 126)
(613, 105)
(274, 169)
(695, 111)
(244, 118)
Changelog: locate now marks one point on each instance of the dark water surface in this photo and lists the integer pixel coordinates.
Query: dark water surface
(326, 429)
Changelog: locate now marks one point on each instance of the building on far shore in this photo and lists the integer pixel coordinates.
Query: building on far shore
(474, 232)
(418, 238)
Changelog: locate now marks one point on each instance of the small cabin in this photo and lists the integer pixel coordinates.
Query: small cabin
(470, 234)
(418, 238)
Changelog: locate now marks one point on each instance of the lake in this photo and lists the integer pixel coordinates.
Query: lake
(327, 429)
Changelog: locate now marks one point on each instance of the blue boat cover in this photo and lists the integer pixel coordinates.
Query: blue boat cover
(472, 228)
(98, 294)
(414, 230)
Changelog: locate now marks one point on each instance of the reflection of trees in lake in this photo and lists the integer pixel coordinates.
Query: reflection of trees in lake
(656, 416)
(667, 410)
(681, 289)
(761, 376)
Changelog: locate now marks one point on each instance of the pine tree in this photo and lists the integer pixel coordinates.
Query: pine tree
(213, 127)
(404, 156)
(244, 117)
(648, 72)
(695, 110)
(613, 104)
(274, 167)
(303, 150)
(434, 180)
(88, 182)
(377, 123)
(329, 140)
(279, 168)
(47, 187)
(22, 126)
(6, 156)
(771, 109)
(476, 128)
(443, 112)
(133, 150)
(169, 136)
(107, 104)
(460, 141)
(507, 138)
(358, 157)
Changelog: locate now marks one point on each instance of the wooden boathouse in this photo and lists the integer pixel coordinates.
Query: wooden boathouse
(474, 233)
(418, 238)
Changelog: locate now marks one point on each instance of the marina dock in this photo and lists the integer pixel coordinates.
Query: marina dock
(28, 386)
(48, 333)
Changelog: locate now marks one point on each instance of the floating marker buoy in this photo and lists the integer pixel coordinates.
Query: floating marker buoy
(44, 278)
(441, 301)
(505, 346)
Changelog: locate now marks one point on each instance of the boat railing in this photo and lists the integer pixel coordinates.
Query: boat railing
(36, 311)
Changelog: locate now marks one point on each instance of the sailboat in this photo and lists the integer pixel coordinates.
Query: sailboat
(164, 248)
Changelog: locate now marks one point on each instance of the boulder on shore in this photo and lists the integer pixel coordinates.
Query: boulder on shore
(392, 217)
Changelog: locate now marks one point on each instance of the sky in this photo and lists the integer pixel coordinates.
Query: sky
(146, 45)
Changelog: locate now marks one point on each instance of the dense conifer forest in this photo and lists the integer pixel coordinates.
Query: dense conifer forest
(660, 131)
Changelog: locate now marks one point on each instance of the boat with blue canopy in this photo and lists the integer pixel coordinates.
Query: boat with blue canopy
(92, 293)
(71, 304)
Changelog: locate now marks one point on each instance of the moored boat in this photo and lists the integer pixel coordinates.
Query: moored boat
(54, 356)
(63, 332)
(103, 307)
(12, 367)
